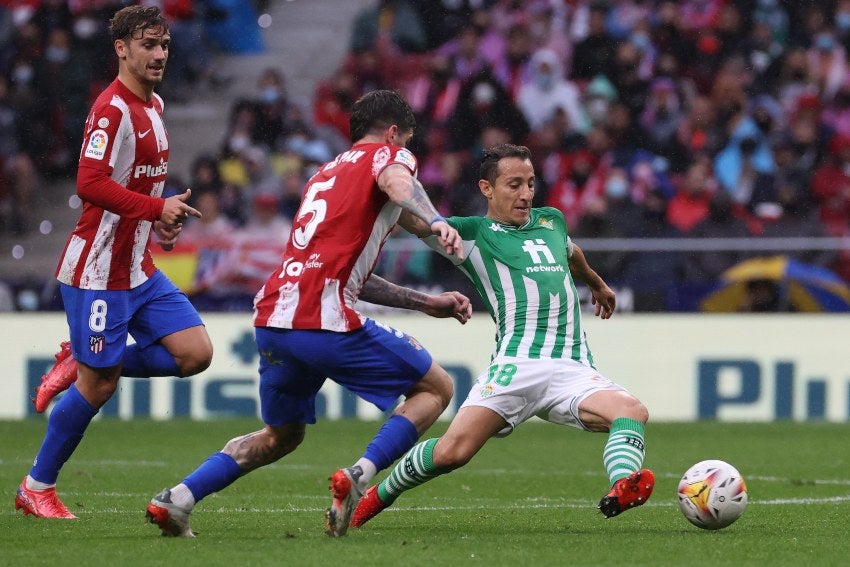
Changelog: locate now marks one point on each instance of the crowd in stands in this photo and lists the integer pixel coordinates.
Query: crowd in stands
(646, 119)
(54, 59)
(702, 118)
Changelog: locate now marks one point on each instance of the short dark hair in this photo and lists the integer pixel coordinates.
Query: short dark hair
(489, 169)
(129, 21)
(378, 110)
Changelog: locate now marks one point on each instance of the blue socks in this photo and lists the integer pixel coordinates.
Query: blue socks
(217, 472)
(65, 427)
(153, 360)
(393, 440)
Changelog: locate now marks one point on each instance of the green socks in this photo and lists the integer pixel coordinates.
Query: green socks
(415, 468)
(623, 453)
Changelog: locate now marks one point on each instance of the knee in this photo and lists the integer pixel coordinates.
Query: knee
(436, 387)
(103, 392)
(449, 456)
(444, 388)
(196, 361)
(637, 411)
(95, 389)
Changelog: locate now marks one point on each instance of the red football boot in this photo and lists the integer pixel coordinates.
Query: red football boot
(59, 379)
(628, 492)
(369, 507)
(346, 495)
(41, 503)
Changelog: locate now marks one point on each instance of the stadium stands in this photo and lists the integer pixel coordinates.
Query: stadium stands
(678, 121)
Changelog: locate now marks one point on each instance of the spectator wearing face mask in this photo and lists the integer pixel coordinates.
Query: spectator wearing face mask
(277, 115)
(61, 84)
(465, 53)
(433, 93)
(791, 218)
(484, 103)
(582, 183)
(690, 205)
(721, 222)
(18, 176)
(594, 53)
(652, 275)
(827, 64)
(661, 116)
(548, 92)
(744, 168)
(513, 69)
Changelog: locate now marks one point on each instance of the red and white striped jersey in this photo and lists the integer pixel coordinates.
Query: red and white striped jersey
(121, 175)
(336, 236)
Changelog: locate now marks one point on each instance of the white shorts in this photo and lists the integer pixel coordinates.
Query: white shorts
(551, 389)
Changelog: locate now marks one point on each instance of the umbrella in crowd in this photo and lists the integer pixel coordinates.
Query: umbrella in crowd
(778, 283)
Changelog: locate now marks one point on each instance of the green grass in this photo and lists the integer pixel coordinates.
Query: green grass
(526, 500)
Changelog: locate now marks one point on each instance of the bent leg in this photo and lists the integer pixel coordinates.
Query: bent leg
(171, 339)
(466, 435)
(427, 399)
(623, 416)
(182, 353)
(191, 348)
(423, 404)
(239, 456)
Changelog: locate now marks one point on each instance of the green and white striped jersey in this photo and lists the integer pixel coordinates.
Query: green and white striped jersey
(523, 276)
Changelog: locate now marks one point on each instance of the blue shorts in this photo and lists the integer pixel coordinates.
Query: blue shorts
(375, 362)
(100, 320)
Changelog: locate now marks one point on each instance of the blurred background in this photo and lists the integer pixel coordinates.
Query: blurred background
(700, 150)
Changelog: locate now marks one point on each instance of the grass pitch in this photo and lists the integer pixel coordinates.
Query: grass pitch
(529, 499)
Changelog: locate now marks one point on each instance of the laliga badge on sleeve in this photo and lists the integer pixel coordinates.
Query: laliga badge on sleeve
(96, 146)
(404, 157)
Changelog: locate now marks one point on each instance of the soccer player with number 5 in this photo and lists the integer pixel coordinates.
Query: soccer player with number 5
(308, 330)
(522, 263)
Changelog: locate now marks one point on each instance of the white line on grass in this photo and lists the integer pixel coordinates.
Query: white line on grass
(489, 507)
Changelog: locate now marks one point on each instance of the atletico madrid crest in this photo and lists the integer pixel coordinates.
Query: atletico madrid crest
(96, 343)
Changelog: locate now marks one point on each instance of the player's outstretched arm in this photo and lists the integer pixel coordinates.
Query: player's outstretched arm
(602, 296)
(407, 192)
(454, 304)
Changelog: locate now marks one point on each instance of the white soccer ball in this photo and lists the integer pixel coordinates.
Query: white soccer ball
(712, 494)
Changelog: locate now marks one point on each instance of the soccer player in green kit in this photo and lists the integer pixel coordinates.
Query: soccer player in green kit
(522, 262)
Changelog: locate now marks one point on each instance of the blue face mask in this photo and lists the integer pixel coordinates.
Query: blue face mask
(22, 74)
(56, 54)
(616, 188)
(269, 95)
(544, 81)
(824, 43)
(640, 40)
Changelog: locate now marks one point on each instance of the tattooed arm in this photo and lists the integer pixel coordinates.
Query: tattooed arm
(407, 192)
(447, 304)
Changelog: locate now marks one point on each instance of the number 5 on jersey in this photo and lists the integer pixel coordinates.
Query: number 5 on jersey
(311, 205)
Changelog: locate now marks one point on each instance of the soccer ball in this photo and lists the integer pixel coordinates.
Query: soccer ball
(712, 494)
